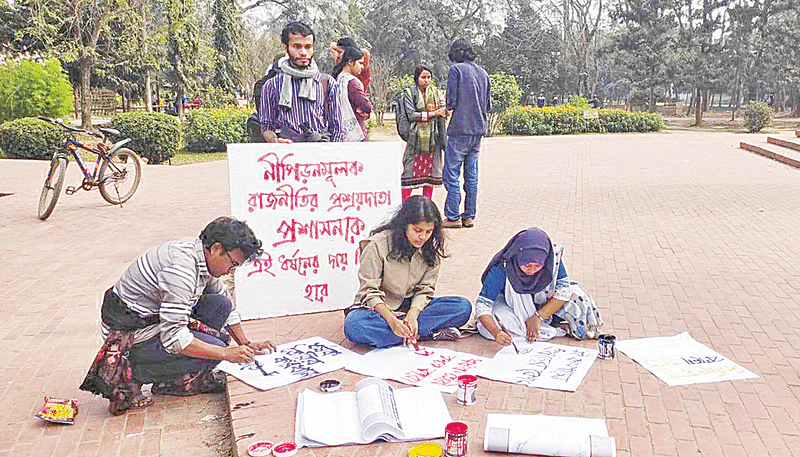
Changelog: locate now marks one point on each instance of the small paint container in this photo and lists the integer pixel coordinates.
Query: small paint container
(605, 346)
(466, 392)
(285, 449)
(455, 439)
(260, 449)
(426, 450)
(329, 385)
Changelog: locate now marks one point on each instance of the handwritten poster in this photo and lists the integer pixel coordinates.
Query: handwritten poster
(291, 362)
(680, 360)
(543, 365)
(310, 204)
(435, 367)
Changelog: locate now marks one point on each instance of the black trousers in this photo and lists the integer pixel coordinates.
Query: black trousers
(152, 363)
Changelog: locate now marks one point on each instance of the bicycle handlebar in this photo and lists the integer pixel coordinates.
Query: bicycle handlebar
(61, 123)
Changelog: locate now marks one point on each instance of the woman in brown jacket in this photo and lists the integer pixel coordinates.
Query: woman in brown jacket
(399, 267)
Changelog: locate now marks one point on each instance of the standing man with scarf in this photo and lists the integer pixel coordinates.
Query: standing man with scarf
(300, 103)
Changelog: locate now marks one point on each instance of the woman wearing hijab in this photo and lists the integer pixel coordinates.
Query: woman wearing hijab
(525, 286)
(355, 105)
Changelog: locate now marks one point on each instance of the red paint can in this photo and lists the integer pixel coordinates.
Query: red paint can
(466, 393)
(455, 439)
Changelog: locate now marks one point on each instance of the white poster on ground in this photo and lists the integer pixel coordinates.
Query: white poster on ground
(434, 367)
(291, 362)
(543, 365)
(310, 204)
(680, 360)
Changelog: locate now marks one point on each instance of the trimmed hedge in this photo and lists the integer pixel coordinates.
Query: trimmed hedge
(211, 129)
(155, 136)
(564, 119)
(30, 138)
(757, 116)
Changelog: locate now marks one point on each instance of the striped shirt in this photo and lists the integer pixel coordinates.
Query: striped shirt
(167, 281)
(303, 111)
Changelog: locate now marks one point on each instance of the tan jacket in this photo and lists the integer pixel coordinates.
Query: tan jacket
(389, 281)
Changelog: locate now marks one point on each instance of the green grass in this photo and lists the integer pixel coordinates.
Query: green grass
(187, 158)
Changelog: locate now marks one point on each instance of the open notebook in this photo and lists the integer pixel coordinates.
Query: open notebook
(374, 411)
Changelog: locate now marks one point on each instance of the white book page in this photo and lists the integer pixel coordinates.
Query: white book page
(378, 410)
(423, 412)
(331, 419)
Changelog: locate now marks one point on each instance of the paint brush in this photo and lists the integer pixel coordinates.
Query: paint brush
(412, 340)
(260, 368)
(503, 328)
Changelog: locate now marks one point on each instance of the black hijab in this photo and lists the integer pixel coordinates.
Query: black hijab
(531, 245)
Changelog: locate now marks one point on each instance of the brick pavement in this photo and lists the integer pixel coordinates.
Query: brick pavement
(670, 232)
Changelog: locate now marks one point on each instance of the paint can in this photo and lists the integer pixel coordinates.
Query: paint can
(285, 449)
(260, 449)
(425, 450)
(455, 439)
(466, 393)
(605, 346)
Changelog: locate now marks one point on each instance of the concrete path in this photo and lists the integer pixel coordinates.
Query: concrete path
(670, 232)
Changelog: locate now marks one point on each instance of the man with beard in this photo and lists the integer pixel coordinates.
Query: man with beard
(300, 103)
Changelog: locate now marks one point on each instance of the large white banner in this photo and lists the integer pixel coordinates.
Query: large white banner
(310, 204)
(680, 360)
(542, 365)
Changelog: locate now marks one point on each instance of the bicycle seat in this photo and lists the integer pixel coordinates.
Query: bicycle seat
(109, 131)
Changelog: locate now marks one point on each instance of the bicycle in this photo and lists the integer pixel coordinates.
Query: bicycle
(117, 170)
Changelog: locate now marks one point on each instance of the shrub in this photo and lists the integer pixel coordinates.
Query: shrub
(30, 88)
(578, 100)
(211, 129)
(757, 116)
(30, 138)
(156, 136)
(563, 119)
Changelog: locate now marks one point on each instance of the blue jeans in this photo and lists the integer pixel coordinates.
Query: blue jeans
(152, 363)
(461, 150)
(366, 326)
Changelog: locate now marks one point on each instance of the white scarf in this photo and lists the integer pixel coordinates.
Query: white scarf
(306, 79)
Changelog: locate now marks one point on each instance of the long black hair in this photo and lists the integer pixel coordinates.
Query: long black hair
(415, 209)
(349, 55)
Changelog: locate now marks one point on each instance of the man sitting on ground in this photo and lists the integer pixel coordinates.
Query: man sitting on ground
(168, 319)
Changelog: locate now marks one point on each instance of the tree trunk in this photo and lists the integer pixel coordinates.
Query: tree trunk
(698, 109)
(76, 95)
(86, 99)
(148, 98)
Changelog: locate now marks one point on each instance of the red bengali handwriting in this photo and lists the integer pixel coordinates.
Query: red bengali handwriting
(338, 260)
(283, 197)
(301, 265)
(316, 292)
(346, 227)
(355, 200)
(279, 169)
(262, 265)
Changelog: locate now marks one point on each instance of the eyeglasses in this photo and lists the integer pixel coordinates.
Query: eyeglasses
(234, 263)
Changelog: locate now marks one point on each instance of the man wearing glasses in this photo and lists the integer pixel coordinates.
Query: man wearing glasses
(173, 317)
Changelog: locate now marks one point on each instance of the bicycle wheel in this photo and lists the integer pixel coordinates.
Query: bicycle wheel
(52, 186)
(120, 175)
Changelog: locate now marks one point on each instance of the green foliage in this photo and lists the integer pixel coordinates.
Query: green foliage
(578, 101)
(505, 91)
(505, 94)
(212, 129)
(156, 136)
(217, 97)
(397, 84)
(29, 88)
(757, 116)
(564, 119)
(30, 138)
(370, 125)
